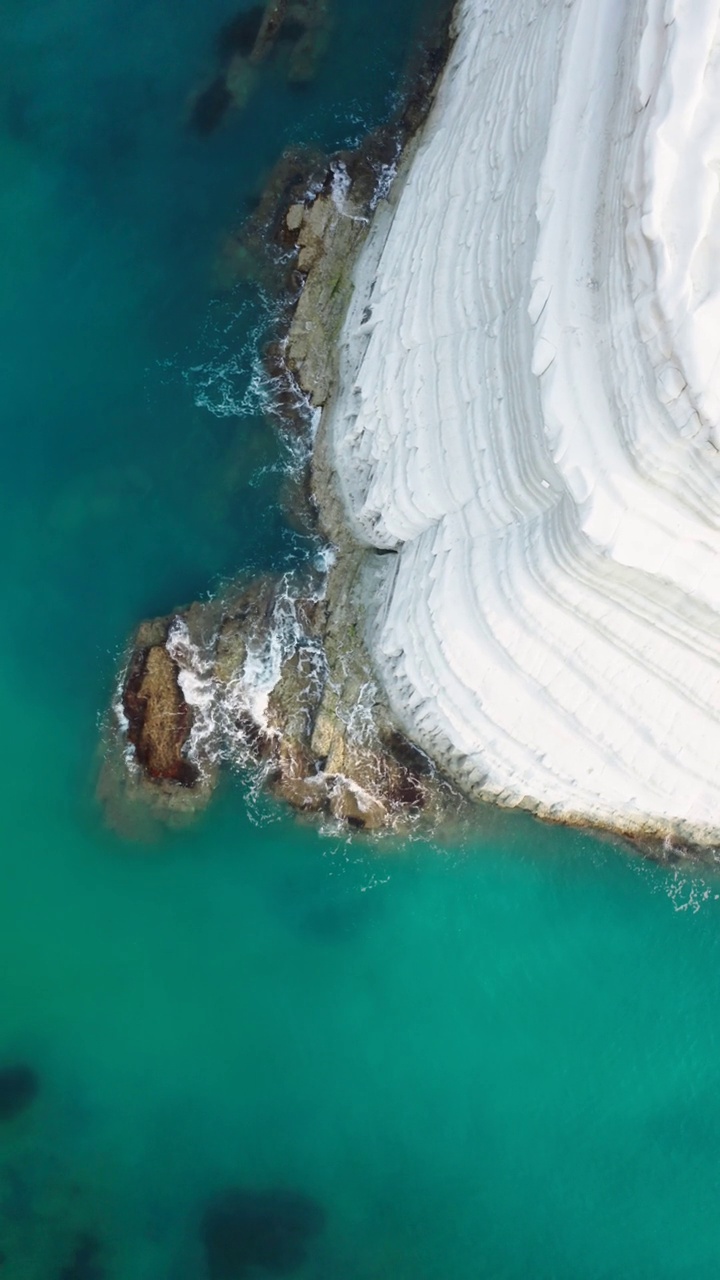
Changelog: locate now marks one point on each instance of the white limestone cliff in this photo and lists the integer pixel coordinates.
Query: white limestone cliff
(529, 413)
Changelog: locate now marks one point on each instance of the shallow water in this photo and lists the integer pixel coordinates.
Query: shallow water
(498, 1059)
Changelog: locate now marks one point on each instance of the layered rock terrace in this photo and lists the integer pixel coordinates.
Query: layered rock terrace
(529, 416)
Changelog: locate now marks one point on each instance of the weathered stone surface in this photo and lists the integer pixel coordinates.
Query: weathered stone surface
(307, 794)
(159, 719)
(294, 218)
(356, 806)
(239, 624)
(327, 239)
(282, 684)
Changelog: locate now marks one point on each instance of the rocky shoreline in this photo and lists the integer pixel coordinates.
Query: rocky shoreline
(275, 675)
(273, 678)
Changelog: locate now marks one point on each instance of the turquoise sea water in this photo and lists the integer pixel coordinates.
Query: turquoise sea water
(494, 1060)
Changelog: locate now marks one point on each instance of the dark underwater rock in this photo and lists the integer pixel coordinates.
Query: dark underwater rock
(269, 1230)
(272, 21)
(240, 33)
(19, 1087)
(210, 106)
(85, 1263)
(323, 742)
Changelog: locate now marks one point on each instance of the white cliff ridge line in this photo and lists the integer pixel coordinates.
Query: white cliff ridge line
(529, 412)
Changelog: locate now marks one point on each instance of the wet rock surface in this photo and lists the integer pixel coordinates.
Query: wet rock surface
(280, 684)
(312, 215)
(158, 716)
(246, 1232)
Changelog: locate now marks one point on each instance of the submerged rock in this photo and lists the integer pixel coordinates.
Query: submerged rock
(266, 1230)
(356, 806)
(19, 1086)
(85, 1263)
(295, 33)
(209, 107)
(240, 33)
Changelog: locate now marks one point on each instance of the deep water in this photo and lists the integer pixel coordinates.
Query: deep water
(494, 1060)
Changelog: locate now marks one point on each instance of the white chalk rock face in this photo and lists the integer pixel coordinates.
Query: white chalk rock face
(529, 413)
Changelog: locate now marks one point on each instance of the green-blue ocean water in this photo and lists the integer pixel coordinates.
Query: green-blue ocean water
(492, 1060)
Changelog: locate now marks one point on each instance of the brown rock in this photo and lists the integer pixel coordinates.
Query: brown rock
(158, 716)
(150, 632)
(295, 214)
(308, 794)
(323, 733)
(356, 806)
(293, 701)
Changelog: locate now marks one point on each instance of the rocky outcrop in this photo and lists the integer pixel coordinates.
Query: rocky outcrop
(265, 681)
(158, 716)
(275, 675)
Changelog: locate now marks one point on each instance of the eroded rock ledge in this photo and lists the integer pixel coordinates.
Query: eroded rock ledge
(275, 675)
(270, 678)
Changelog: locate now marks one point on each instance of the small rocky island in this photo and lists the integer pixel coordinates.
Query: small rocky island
(274, 674)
